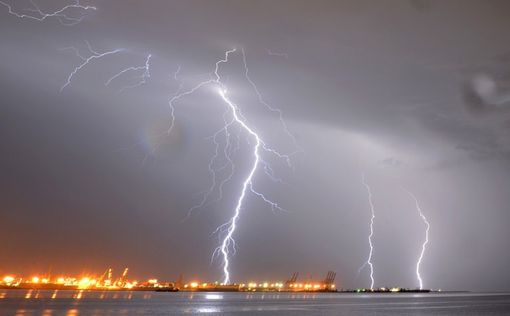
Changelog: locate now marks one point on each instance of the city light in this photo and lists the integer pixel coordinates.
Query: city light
(8, 279)
(108, 281)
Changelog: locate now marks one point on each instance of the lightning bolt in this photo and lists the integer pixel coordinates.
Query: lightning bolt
(425, 242)
(176, 78)
(231, 227)
(93, 55)
(232, 118)
(370, 243)
(143, 77)
(61, 14)
(268, 106)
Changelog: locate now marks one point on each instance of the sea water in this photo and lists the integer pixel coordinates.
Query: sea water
(100, 303)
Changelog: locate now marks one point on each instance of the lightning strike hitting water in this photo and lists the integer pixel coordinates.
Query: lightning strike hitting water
(425, 242)
(93, 55)
(62, 14)
(232, 118)
(144, 76)
(370, 243)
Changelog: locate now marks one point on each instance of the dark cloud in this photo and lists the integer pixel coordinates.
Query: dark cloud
(482, 93)
(87, 181)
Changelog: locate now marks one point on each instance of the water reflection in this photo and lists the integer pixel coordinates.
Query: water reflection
(208, 310)
(47, 312)
(213, 297)
(92, 303)
(78, 295)
(202, 310)
(72, 312)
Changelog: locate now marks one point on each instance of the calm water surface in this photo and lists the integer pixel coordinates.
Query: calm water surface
(88, 303)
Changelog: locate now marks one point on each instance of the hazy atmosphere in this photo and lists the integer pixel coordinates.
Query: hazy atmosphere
(414, 95)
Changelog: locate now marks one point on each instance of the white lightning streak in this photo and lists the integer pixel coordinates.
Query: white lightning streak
(59, 14)
(224, 248)
(227, 245)
(425, 242)
(177, 72)
(370, 243)
(213, 171)
(86, 60)
(267, 105)
(143, 77)
(176, 78)
(156, 147)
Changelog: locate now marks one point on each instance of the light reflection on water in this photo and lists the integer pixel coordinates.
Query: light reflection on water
(21, 312)
(72, 312)
(47, 312)
(213, 296)
(29, 294)
(202, 310)
(126, 303)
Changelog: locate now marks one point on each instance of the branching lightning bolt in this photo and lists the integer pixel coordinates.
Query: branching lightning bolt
(176, 78)
(60, 14)
(227, 240)
(143, 77)
(370, 243)
(93, 55)
(232, 118)
(268, 106)
(425, 242)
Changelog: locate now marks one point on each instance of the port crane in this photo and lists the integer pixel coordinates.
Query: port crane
(106, 278)
(122, 280)
(329, 281)
(292, 279)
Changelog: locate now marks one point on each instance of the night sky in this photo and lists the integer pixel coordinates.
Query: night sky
(414, 94)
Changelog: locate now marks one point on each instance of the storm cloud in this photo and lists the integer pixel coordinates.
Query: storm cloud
(411, 93)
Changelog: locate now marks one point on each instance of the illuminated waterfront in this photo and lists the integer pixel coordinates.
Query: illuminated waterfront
(107, 282)
(89, 303)
(232, 157)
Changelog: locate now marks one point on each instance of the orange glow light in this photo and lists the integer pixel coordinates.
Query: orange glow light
(8, 279)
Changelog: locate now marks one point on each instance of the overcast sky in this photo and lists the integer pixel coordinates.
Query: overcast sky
(414, 94)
